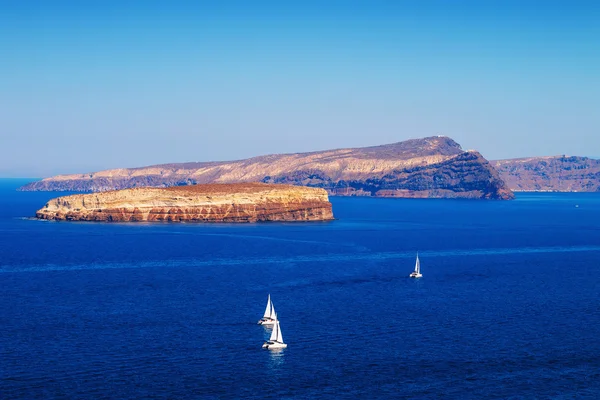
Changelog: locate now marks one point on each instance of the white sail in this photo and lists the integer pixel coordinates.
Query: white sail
(275, 332)
(279, 335)
(418, 265)
(268, 309)
(273, 314)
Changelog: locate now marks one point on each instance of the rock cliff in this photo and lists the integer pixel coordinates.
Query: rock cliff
(242, 202)
(554, 174)
(429, 167)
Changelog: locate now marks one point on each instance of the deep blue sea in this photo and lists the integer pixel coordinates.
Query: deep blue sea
(509, 305)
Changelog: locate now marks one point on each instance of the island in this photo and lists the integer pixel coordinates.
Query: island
(431, 167)
(550, 174)
(241, 202)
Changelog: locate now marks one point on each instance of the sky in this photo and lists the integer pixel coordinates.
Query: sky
(91, 85)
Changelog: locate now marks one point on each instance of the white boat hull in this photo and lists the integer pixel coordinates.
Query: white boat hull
(274, 345)
(266, 322)
(415, 275)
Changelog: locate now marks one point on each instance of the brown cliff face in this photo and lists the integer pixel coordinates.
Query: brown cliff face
(466, 175)
(245, 202)
(429, 167)
(550, 174)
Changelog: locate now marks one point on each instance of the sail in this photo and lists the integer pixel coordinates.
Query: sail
(279, 335)
(273, 314)
(274, 332)
(268, 309)
(418, 265)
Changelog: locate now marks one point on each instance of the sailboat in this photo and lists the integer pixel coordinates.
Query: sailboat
(417, 272)
(269, 316)
(276, 340)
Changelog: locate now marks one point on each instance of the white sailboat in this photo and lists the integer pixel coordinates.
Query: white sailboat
(269, 315)
(417, 272)
(276, 340)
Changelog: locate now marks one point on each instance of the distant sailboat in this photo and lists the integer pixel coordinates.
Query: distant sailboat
(269, 316)
(417, 272)
(276, 339)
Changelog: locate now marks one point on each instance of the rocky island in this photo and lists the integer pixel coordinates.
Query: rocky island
(550, 174)
(433, 167)
(243, 202)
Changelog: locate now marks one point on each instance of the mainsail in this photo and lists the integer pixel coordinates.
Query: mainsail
(275, 332)
(418, 265)
(279, 335)
(269, 309)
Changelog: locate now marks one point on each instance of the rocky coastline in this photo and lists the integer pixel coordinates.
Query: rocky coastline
(244, 202)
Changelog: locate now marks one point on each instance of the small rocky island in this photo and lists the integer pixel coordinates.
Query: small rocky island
(238, 202)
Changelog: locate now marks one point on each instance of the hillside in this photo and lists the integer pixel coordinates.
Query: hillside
(429, 167)
(559, 173)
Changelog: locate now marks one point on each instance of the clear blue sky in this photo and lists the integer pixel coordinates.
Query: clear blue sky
(88, 85)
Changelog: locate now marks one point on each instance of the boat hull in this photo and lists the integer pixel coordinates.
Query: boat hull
(415, 275)
(274, 345)
(266, 322)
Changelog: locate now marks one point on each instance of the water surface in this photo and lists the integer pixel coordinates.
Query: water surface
(508, 306)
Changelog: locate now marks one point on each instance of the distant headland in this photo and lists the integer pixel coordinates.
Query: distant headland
(432, 167)
(550, 174)
(242, 202)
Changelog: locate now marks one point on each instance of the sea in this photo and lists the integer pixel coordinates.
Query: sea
(508, 306)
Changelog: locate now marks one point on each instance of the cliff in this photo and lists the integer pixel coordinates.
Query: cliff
(556, 174)
(242, 202)
(429, 167)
